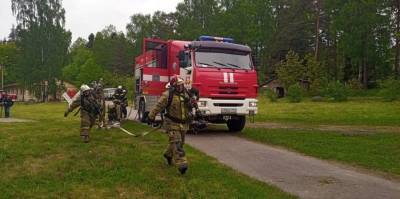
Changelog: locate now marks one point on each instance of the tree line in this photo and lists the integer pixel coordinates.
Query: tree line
(352, 40)
(344, 41)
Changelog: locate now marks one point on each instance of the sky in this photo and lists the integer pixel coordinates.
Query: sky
(90, 16)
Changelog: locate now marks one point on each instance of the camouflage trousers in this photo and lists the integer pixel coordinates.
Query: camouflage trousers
(87, 122)
(175, 147)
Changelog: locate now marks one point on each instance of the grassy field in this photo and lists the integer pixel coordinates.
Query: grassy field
(357, 111)
(47, 159)
(376, 151)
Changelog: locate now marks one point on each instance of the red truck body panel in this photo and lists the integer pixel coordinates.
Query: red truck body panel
(225, 83)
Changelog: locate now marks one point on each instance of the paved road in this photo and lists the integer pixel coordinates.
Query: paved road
(297, 174)
(303, 176)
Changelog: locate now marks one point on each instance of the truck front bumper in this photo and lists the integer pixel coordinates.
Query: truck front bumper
(210, 106)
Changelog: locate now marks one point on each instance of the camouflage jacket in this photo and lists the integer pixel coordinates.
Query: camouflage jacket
(177, 114)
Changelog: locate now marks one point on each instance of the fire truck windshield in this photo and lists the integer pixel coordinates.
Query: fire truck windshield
(236, 60)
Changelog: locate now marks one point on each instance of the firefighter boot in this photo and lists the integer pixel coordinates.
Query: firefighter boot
(168, 158)
(85, 138)
(183, 168)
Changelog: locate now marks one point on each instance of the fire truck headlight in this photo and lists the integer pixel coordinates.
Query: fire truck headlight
(202, 103)
(252, 104)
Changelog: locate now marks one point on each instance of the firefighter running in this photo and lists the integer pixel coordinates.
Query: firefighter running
(176, 102)
(99, 95)
(120, 96)
(89, 110)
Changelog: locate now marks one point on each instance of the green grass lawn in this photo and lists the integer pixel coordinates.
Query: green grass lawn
(47, 159)
(357, 111)
(378, 151)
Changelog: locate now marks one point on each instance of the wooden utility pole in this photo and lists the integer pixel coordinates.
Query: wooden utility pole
(397, 36)
(318, 12)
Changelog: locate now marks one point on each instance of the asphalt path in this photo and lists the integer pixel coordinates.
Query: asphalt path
(300, 175)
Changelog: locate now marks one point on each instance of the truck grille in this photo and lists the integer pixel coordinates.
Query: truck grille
(228, 90)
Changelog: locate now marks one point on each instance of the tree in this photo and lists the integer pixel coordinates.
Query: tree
(113, 51)
(363, 38)
(315, 73)
(292, 70)
(9, 56)
(43, 41)
(89, 72)
(197, 17)
(139, 27)
(80, 56)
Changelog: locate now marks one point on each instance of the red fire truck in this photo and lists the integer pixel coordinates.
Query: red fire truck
(220, 70)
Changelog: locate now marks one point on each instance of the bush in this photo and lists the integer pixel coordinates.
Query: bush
(390, 89)
(271, 95)
(295, 93)
(336, 91)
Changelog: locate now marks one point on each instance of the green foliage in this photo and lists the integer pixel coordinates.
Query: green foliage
(42, 40)
(355, 87)
(90, 71)
(390, 89)
(271, 95)
(9, 56)
(355, 37)
(316, 74)
(113, 51)
(295, 93)
(292, 70)
(336, 91)
(354, 84)
(72, 71)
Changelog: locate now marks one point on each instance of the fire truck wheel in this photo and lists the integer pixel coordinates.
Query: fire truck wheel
(237, 124)
(141, 111)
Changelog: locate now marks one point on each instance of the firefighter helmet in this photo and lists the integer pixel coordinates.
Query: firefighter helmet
(175, 81)
(84, 88)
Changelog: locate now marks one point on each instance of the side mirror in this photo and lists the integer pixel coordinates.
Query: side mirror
(183, 59)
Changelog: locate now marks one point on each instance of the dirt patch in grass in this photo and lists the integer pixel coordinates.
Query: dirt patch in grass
(344, 129)
(14, 120)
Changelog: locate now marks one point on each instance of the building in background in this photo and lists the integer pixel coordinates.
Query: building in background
(37, 92)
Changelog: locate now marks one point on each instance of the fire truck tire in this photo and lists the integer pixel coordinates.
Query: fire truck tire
(237, 124)
(142, 111)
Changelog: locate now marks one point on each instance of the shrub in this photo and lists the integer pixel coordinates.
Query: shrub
(271, 95)
(316, 74)
(291, 69)
(355, 87)
(336, 91)
(355, 84)
(295, 93)
(390, 89)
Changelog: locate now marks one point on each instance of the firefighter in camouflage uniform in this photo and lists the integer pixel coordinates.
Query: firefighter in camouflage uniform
(89, 110)
(176, 102)
(99, 94)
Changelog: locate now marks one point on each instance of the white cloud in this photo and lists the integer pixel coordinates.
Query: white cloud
(90, 16)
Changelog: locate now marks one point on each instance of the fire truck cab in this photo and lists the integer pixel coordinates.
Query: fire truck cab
(221, 71)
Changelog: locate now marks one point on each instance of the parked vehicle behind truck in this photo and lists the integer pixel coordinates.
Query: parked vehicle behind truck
(220, 70)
